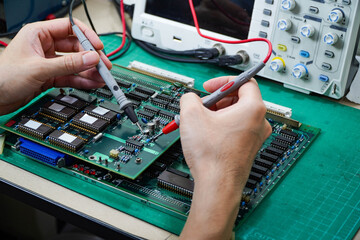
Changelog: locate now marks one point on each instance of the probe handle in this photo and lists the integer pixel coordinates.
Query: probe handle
(231, 86)
(104, 71)
(219, 94)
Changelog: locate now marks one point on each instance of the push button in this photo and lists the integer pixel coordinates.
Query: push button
(267, 12)
(295, 39)
(329, 54)
(326, 66)
(262, 34)
(282, 47)
(323, 78)
(304, 54)
(269, 1)
(314, 10)
(265, 23)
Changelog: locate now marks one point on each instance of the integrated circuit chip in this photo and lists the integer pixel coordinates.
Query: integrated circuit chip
(166, 115)
(144, 90)
(137, 96)
(151, 109)
(89, 99)
(70, 101)
(66, 140)
(34, 128)
(112, 107)
(159, 103)
(86, 122)
(101, 112)
(57, 110)
(104, 93)
(145, 115)
(134, 144)
(176, 183)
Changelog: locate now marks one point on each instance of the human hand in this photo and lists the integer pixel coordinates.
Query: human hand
(31, 65)
(219, 146)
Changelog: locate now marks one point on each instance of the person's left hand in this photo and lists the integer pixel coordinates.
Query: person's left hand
(31, 65)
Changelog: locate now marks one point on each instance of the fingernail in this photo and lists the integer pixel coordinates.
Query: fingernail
(91, 58)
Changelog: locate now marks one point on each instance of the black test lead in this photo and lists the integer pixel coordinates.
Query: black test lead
(125, 105)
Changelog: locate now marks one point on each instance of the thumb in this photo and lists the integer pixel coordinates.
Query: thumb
(71, 63)
(190, 105)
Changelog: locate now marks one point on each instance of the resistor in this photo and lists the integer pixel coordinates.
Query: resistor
(98, 137)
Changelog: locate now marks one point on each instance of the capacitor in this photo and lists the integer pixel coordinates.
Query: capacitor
(98, 137)
(144, 120)
(146, 132)
(157, 123)
(151, 127)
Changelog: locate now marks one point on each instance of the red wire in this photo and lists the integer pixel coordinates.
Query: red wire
(3, 43)
(196, 23)
(122, 13)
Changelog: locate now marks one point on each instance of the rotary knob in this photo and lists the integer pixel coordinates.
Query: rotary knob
(288, 5)
(300, 71)
(307, 31)
(277, 64)
(284, 24)
(336, 16)
(331, 38)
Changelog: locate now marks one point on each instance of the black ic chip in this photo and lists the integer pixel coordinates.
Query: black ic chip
(165, 97)
(159, 103)
(134, 144)
(70, 101)
(57, 110)
(34, 128)
(167, 115)
(269, 156)
(145, 115)
(104, 93)
(176, 183)
(151, 109)
(66, 140)
(174, 107)
(123, 84)
(146, 91)
(86, 122)
(129, 150)
(101, 112)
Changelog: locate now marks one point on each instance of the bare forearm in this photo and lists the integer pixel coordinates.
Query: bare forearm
(213, 210)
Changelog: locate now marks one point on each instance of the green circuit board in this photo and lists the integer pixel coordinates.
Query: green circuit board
(161, 180)
(156, 103)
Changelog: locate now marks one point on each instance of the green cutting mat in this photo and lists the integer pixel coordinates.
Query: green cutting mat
(320, 197)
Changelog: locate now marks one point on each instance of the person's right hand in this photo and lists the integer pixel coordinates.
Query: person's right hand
(219, 146)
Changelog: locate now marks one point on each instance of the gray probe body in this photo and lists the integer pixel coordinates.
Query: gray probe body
(108, 78)
(228, 88)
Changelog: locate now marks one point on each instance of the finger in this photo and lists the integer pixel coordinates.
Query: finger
(77, 82)
(190, 105)
(249, 90)
(68, 44)
(61, 28)
(226, 102)
(214, 84)
(69, 64)
(105, 60)
(92, 74)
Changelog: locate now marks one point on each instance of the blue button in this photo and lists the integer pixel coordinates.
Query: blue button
(304, 54)
(323, 78)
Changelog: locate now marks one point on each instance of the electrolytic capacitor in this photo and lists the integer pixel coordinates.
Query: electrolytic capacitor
(151, 127)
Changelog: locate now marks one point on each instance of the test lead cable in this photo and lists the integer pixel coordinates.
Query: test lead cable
(229, 87)
(125, 105)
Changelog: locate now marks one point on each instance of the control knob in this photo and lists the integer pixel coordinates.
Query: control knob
(300, 71)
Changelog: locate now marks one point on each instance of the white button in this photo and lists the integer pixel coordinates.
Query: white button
(147, 32)
(277, 65)
(331, 38)
(299, 71)
(284, 24)
(307, 31)
(336, 16)
(288, 5)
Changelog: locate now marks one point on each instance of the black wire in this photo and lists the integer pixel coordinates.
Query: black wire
(145, 46)
(88, 16)
(8, 34)
(127, 47)
(86, 11)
